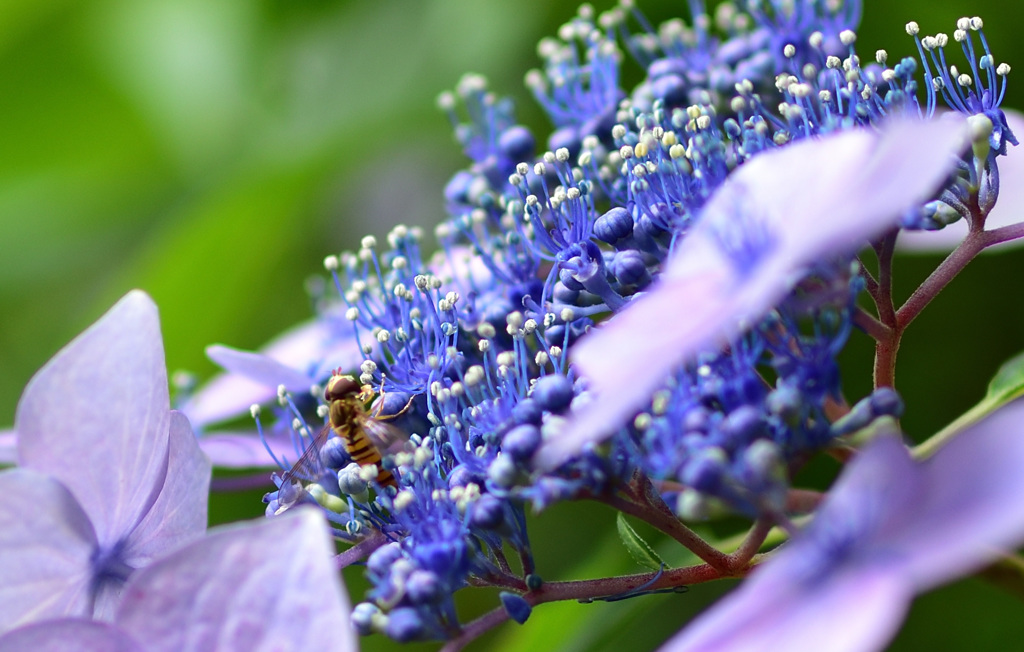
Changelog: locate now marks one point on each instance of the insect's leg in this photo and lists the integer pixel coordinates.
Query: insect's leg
(389, 417)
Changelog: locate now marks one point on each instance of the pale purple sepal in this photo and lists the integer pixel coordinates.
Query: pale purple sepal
(853, 612)
(889, 528)
(264, 586)
(246, 450)
(96, 420)
(1009, 208)
(178, 516)
(259, 367)
(69, 634)
(8, 447)
(46, 543)
(96, 417)
(297, 358)
(777, 214)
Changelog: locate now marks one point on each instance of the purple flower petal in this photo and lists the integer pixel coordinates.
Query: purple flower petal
(778, 213)
(260, 368)
(46, 544)
(263, 586)
(310, 347)
(1007, 210)
(246, 450)
(225, 397)
(851, 612)
(889, 528)
(971, 507)
(96, 417)
(178, 516)
(8, 447)
(69, 634)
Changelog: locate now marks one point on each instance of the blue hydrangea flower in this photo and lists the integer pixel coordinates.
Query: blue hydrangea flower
(264, 585)
(109, 477)
(889, 528)
(775, 216)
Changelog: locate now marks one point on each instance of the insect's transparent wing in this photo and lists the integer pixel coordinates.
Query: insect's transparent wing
(387, 438)
(310, 466)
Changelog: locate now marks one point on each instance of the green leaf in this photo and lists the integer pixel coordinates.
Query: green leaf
(639, 550)
(1007, 385)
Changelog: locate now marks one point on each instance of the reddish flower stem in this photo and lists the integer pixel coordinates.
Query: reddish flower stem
(586, 590)
(360, 550)
(644, 503)
(971, 246)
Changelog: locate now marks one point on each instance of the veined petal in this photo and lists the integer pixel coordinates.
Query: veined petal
(777, 214)
(46, 544)
(971, 506)
(96, 417)
(69, 634)
(266, 585)
(178, 516)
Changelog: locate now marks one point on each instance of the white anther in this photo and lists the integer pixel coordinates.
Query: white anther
(1003, 69)
(254, 411)
(352, 314)
(816, 39)
(368, 242)
(847, 37)
(331, 263)
(567, 315)
(881, 56)
(913, 28)
(789, 51)
(403, 499)
(383, 336)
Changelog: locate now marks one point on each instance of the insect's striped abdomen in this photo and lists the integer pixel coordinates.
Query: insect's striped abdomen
(345, 421)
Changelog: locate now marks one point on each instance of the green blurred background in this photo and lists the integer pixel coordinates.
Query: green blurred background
(212, 152)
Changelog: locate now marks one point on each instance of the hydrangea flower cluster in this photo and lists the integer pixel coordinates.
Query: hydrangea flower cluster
(674, 211)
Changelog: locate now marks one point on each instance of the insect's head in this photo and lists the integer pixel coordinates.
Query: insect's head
(341, 387)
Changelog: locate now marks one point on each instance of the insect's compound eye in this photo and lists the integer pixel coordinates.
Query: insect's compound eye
(340, 387)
